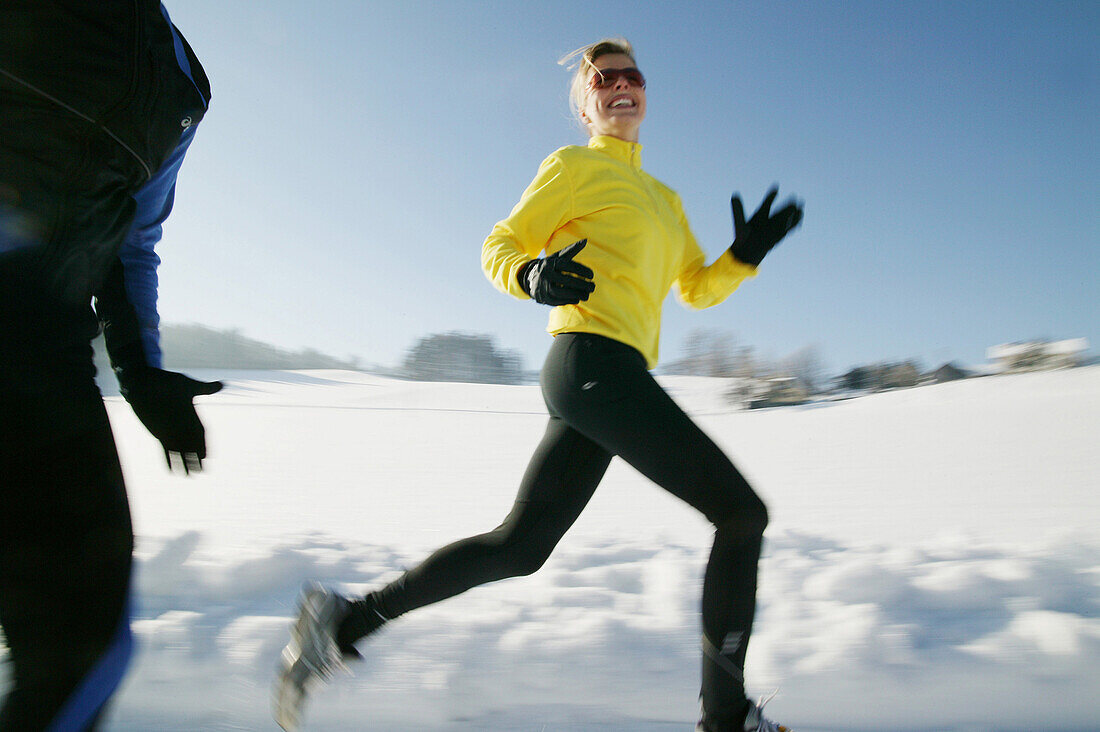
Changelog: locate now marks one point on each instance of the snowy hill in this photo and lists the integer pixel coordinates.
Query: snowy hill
(933, 561)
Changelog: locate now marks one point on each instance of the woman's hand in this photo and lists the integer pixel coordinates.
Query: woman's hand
(557, 279)
(754, 238)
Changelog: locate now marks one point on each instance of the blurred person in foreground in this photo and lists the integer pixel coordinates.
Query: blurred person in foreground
(98, 104)
(616, 241)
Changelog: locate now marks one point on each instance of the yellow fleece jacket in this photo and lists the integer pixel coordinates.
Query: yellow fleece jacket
(639, 243)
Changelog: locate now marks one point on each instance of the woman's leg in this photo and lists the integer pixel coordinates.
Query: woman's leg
(560, 480)
(604, 390)
(65, 546)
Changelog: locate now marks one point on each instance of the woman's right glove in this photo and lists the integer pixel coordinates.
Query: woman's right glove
(754, 238)
(557, 279)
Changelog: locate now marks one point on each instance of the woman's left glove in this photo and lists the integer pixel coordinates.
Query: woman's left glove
(754, 238)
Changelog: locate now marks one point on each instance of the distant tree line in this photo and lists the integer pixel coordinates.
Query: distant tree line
(471, 357)
(196, 347)
(475, 357)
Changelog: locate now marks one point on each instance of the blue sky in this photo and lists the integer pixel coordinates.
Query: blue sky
(357, 154)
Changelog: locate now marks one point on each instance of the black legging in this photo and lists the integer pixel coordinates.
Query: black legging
(604, 402)
(65, 546)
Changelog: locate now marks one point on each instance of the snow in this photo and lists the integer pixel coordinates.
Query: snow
(933, 561)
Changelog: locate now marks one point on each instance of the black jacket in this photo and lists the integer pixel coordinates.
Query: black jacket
(93, 99)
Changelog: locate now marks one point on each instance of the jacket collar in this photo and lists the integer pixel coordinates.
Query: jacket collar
(627, 152)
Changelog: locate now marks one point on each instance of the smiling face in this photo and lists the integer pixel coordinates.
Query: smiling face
(618, 109)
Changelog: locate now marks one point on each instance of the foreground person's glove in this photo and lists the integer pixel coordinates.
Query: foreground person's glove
(162, 401)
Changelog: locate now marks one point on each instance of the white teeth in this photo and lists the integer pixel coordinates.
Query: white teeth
(622, 103)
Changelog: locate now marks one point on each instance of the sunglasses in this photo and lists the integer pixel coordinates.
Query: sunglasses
(606, 78)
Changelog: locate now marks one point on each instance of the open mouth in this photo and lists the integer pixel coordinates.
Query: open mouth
(622, 102)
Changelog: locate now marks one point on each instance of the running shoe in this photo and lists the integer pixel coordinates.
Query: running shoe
(755, 721)
(312, 656)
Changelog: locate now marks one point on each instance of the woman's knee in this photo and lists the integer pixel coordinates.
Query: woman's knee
(527, 537)
(523, 560)
(745, 519)
(508, 552)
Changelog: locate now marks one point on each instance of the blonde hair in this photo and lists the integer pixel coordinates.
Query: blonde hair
(582, 61)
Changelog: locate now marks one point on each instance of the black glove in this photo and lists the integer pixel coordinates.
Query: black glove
(557, 279)
(162, 401)
(754, 238)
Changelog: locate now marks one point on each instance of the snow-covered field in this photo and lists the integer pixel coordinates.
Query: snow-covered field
(933, 561)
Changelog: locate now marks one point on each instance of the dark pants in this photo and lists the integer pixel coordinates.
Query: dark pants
(65, 545)
(604, 402)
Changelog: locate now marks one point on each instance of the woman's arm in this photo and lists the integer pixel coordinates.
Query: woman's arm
(700, 285)
(544, 207)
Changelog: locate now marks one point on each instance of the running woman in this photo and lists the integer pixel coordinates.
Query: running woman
(616, 241)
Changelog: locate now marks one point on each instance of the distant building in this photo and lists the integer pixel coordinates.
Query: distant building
(945, 373)
(1037, 355)
(880, 377)
(780, 391)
